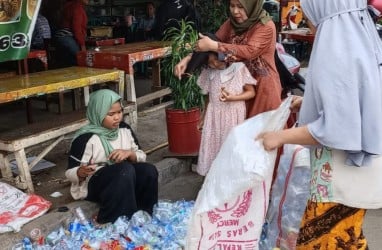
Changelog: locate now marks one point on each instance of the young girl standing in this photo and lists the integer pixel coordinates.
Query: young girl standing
(227, 89)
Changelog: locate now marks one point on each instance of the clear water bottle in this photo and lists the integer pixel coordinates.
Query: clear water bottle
(81, 216)
(121, 225)
(18, 246)
(140, 218)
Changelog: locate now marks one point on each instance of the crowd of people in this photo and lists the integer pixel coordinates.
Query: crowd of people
(340, 116)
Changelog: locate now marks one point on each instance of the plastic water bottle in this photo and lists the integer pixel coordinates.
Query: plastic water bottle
(81, 216)
(140, 218)
(74, 228)
(121, 225)
(27, 244)
(18, 246)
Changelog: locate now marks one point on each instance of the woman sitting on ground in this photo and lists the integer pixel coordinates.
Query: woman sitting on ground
(106, 164)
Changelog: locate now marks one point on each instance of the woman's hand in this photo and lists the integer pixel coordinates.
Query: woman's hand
(296, 104)
(119, 155)
(271, 140)
(181, 67)
(86, 170)
(206, 44)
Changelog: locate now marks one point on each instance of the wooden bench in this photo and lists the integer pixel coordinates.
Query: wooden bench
(13, 143)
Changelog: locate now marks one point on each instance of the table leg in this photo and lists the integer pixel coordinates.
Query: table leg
(26, 69)
(61, 102)
(86, 95)
(156, 83)
(76, 100)
(25, 179)
(5, 167)
(130, 88)
(20, 67)
(121, 84)
(29, 110)
(131, 97)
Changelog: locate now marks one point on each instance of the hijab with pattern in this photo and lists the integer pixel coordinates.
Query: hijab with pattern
(255, 13)
(99, 105)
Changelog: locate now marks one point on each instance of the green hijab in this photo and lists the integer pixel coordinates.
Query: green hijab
(99, 105)
(255, 13)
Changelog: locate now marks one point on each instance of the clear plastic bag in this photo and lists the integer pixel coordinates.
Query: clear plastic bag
(289, 195)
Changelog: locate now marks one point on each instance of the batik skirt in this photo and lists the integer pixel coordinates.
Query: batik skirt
(330, 226)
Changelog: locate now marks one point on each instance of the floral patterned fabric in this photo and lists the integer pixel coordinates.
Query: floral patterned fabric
(321, 189)
(220, 116)
(333, 180)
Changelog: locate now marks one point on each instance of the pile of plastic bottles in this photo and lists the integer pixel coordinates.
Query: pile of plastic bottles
(166, 229)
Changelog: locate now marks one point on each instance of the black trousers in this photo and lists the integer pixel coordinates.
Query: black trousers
(123, 189)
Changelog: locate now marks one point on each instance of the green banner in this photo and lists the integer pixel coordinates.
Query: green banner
(17, 21)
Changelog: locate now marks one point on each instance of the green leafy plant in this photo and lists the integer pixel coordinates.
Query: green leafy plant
(185, 92)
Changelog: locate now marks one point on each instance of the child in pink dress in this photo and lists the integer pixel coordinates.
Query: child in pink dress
(228, 88)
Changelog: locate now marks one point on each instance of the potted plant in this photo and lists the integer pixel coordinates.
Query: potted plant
(182, 118)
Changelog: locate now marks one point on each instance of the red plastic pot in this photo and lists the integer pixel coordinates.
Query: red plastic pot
(183, 135)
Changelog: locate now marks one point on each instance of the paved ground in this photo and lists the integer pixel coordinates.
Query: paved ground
(176, 179)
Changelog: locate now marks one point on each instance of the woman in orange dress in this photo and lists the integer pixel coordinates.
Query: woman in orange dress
(249, 35)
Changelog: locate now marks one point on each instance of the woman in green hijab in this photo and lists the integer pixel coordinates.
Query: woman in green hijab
(106, 164)
(249, 35)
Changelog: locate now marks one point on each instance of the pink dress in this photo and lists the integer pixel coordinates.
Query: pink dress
(220, 116)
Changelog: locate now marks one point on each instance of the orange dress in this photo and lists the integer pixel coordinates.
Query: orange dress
(256, 48)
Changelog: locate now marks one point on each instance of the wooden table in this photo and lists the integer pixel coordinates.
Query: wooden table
(15, 141)
(302, 34)
(123, 57)
(54, 81)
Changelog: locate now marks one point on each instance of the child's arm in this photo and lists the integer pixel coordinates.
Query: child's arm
(248, 93)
